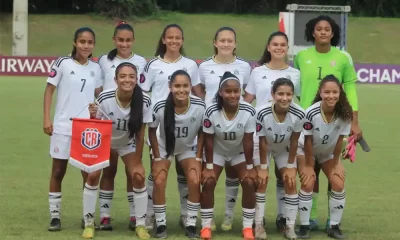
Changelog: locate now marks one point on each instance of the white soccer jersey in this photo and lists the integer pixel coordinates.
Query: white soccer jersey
(228, 138)
(75, 90)
(278, 133)
(262, 78)
(157, 74)
(187, 125)
(210, 73)
(120, 116)
(108, 68)
(325, 135)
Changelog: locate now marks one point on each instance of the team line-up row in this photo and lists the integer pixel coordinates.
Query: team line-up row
(220, 124)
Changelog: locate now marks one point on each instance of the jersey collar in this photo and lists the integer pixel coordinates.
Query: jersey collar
(215, 60)
(162, 59)
(130, 56)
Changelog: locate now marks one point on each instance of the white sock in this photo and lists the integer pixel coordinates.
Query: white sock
(260, 207)
(336, 206)
(89, 202)
(132, 203)
(305, 204)
(280, 197)
(192, 211)
(231, 189)
(206, 217)
(55, 204)
(150, 186)
(160, 214)
(248, 217)
(292, 206)
(183, 193)
(140, 199)
(105, 200)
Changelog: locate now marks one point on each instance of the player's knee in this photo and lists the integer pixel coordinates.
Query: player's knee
(262, 187)
(109, 172)
(138, 178)
(337, 184)
(193, 178)
(288, 186)
(160, 178)
(308, 186)
(93, 178)
(247, 184)
(209, 185)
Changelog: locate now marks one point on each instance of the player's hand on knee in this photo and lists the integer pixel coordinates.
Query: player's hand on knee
(250, 173)
(307, 174)
(262, 176)
(289, 176)
(206, 175)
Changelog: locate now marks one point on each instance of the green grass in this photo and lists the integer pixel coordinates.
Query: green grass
(370, 40)
(372, 198)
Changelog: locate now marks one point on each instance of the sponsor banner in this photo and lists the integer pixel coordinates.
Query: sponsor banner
(41, 66)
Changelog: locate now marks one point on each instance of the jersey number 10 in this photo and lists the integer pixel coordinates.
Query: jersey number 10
(231, 136)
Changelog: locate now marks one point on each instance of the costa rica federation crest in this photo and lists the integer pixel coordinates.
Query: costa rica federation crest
(91, 138)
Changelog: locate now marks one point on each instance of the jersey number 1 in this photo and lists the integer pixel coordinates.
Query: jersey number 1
(319, 73)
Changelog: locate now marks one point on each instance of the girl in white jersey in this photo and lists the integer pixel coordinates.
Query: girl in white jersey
(130, 110)
(279, 124)
(75, 78)
(123, 40)
(328, 121)
(272, 65)
(157, 73)
(229, 125)
(177, 122)
(210, 72)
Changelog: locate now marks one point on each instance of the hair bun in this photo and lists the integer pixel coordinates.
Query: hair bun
(229, 75)
(122, 22)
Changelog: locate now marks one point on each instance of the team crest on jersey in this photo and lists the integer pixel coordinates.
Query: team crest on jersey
(289, 129)
(308, 126)
(207, 123)
(92, 74)
(258, 127)
(142, 78)
(239, 126)
(91, 138)
(193, 119)
(333, 63)
(236, 72)
(53, 73)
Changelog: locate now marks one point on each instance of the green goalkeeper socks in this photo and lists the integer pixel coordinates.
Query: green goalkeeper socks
(314, 206)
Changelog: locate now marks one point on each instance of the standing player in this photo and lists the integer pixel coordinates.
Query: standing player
(130, 109)
(321, 60)
(210, 72)
(75, 78)
(229, 125)
(272, 65)
(279, 125)
(123, 39)
(176, 123)
(157, 73)
(328, 121)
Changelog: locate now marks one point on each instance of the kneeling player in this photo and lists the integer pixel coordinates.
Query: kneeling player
(130, 109)
(228, 128)
(279, 125)
(180, 120)
(328, 121)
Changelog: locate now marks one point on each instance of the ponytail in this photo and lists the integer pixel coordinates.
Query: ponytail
(112, 54)
(219, 101)
(169, 124)
(136, 114)
(73, 53)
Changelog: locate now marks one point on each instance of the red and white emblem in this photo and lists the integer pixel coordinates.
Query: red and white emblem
(91, 138)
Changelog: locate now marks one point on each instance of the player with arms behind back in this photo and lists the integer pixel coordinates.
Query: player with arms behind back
(316, 62)
(328, 121)
(210, 72)
(157, 73)
(177, 122)
(279, 125)
(130, 110)
(75, 78)
(123, 38)
(228, 128)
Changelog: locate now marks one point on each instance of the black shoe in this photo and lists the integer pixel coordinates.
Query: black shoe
(191, 232)
(161, 232)
(83, 225)
(280, 223)
(303, 232)
(335, 232)
(55, 225)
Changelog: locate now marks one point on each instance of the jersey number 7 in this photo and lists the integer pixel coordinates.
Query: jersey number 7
(83, 84)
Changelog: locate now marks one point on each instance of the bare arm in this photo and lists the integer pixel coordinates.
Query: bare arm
(198, 91)
(338, 150)
(48, 96)
(200, 144)
(97, 91)
(140, 143)
(294, 141)
(209, 147)
(263, 150)
(248, 146)
(248, 97)
(154, 142)
(308, 150)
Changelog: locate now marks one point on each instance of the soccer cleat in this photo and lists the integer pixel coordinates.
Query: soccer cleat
(213, 225)
(182, 221)
(260, 233)
(191, 232)
(150, 222)
(314, 225)
(83, 225)
(105, 224)
(335, 232)
(303, 232)
(161, 232)
(227, 223)
(88, 232)
(132, 223)
(248, 234)
(290, 233)
(205, 234)
(142, 232)
(280, 223)
(55, 225)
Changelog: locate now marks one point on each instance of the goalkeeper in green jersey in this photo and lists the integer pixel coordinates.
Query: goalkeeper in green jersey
(316, 62)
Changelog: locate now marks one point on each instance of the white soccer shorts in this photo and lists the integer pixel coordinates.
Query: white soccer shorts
(221, 160)
(320, 158)
(60, 146)
(189, 153)
(125, 149)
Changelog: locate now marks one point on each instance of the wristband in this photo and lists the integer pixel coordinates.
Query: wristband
(249, 166)
(209, 165)
(291, 165)
(264, 166)
(157, 159)
(199, 159)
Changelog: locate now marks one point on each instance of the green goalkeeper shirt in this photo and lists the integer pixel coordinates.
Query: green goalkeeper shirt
(314, 66)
